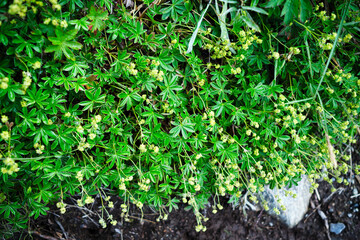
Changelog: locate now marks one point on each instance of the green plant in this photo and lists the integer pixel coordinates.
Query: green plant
(158, 112)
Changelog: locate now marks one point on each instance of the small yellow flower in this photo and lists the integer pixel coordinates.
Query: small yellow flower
(62, 210)
(57, 7)
(142, 148)
(139, 204)
(102, 223)
(156, 149)
(63, 24)
(80, 129)
(198, 228)
(98, 118)
(276, 55)
(89, 200)
(47, 21)
(55, 22)
(9, 161)
(4, 85)
(36, 65)
(5, 135)
(4, 119)
(92, 136)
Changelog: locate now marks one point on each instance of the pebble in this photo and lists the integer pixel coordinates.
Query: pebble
(271, 224)
(356, 210)
(355, 191)
(349, 215)
(337, 228)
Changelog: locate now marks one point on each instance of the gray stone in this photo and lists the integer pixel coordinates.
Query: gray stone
(337, 228)
(295, 207)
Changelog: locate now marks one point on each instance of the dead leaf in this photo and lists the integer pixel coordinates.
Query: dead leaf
(129, 3)
(331, 151)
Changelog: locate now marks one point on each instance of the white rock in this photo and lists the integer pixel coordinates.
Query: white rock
(295, 207)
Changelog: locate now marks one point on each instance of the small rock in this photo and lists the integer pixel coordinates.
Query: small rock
(295, 208)
(356, 210)
(355, 191)
(349, 215)
(337, 228)
(271, 224)
(331, 209)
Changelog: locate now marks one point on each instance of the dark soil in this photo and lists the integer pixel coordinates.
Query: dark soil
(340, 207)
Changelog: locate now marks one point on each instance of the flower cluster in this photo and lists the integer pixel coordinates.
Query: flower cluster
(20, 7)
(79, 176)
(27, 80)
(89, 200)
(82, 145)
(219, 50)
(144, 184)
(102, 223)
(10, 166)
(4, 119)
(122, 185)
(132, 69)
(5, 135)
(36, 65)
(39, 148)
(162, 217)
(158, 75)
(247, 38)
(4, 83)
(62, 207)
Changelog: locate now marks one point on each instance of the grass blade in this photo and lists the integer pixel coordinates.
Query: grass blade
(193, 37)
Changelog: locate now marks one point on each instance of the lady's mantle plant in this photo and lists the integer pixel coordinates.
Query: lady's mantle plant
(98, 100)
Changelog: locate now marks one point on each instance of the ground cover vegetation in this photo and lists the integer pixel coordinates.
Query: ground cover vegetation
(167, 101)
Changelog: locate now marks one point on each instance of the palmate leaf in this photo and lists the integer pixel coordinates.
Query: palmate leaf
(305, 10)
(98, 18)
(186, 127)
(290, 10)
(76, 68)
(296, 9)
(63, 43)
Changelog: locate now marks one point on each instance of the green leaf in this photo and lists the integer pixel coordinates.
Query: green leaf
(170, 88)
(305, 10)
(250, 21)
(290, 10)
(193, 36)
(98, 18)
(185, 127)
(255, 9)
(63, 43)
(76, 68)
(273, 3)
(81, 23)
